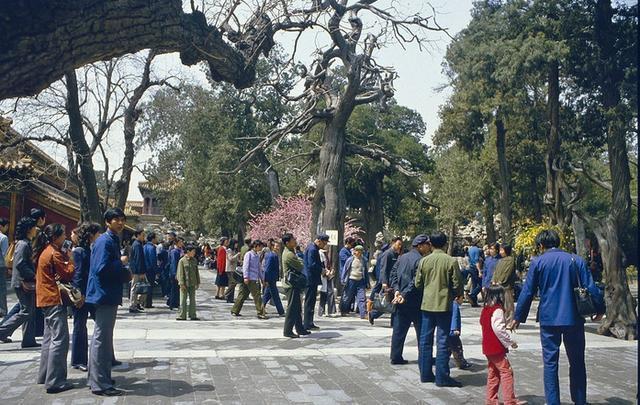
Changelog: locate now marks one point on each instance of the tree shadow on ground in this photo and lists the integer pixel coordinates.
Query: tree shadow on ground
(473, 380)
(161, 387)
(128, 366)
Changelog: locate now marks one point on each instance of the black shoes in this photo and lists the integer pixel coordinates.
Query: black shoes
(262, 317)
(134, 311)
(116, 363)
(194, 319)
(291, 335)
(234, 314)
(399, 362)
(313, 327)
(370, 317)
(304, 333)
(80, 367)
(109, 392)
(62, 388)
(6, 340)
(465, 366)
(181, 319)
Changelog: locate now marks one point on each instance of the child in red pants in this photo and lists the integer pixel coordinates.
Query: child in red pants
(495, 345)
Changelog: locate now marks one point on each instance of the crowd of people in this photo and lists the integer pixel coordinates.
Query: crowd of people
(423, 287)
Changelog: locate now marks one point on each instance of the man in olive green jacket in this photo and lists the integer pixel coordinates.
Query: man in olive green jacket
(291, 262)
(188, 278)
(439, 277)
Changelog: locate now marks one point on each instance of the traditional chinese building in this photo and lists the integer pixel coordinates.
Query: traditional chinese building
(29, 178)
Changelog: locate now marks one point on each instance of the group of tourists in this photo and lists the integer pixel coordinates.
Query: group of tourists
(423, 287)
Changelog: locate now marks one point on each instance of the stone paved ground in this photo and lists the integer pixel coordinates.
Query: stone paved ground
(247, 361)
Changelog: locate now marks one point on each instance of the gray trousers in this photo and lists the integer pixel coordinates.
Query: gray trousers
(3, 291)
(101, 350)
(24, 317)
(55, 346)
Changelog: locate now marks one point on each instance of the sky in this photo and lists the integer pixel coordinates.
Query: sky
(420, 74)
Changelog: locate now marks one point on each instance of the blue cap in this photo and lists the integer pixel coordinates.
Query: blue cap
(420, 239)
(323, 237)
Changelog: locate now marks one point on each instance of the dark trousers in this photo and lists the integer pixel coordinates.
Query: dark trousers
(352, 291)
(551, 337)
(293, 315)
(431, 321)
(401, 322)
(174, 294)
(230, 292)
(310, 298)
(375, 291)
(151, 279)
(80, 337)
(476, 287)
(24, 316)
(327, 299)
(271, 293)
(165, 283)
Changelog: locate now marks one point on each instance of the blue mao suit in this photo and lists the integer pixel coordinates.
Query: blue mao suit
(151, 265)
(401, 279)
(313, 271)
(554, 276)
(271, 275)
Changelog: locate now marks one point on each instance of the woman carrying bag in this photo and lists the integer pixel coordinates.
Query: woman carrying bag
(54, 264)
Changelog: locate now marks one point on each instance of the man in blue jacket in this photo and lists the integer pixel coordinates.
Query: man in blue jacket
(343, 255)
(555, 274)
(384, 263)
(151, 265)
(104, 291)
(175, 254)
(271, 276)
(313, 271)
(139, 271)
(407, 297)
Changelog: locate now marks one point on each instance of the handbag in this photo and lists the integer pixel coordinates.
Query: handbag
(296, 280)
(8, 257)
(70, 295)
(142, 288)
(238, 276)
(584, 301)
(382, 303)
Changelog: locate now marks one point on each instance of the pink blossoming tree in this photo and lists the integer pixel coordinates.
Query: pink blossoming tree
(290, 214)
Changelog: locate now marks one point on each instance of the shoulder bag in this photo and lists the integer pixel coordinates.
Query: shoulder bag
(382, 303)
(584, 302)
(296, 280)
(69, 294)
(238, 275)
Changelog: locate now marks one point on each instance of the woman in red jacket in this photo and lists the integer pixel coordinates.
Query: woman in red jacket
(495, 345)
(54, 263)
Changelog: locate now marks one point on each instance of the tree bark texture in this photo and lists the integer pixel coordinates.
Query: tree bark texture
(373, 212)
(41, 40)
(488, 212)
(90, 205)
(452, 238)
(504, 176)
(272, 177)
(580, 235)
(553, 196)
(621, 316)
(122, 186)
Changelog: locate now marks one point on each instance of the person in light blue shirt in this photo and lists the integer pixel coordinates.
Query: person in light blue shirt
(554, 274)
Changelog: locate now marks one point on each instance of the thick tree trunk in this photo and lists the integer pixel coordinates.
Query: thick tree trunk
(580, 235)
(504, 176)
(553, 196)
(373, 213)
(621, 316)
(90, 205)
(122, 185)
(273, 180)
(621, 307)
(535, 197)
(452, 238)
(41, 40)
(488, 212)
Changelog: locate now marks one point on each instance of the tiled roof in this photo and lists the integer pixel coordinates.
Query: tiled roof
(24, 163)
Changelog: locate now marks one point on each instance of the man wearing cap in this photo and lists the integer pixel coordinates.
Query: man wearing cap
(313, 271)
(407, 297)
(355, 278)
(253, 274)
(439, 277)
(384, 263)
